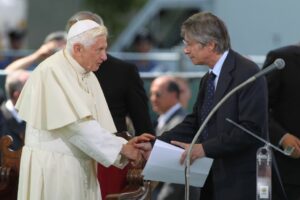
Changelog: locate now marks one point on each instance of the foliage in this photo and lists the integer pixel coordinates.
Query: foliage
(115, 13)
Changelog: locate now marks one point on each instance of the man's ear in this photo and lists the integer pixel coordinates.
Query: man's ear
(210, 45)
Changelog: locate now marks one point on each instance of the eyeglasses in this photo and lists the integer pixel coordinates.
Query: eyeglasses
(189, 44)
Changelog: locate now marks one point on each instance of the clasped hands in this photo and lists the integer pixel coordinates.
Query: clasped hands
(131, 150)
(197, 151)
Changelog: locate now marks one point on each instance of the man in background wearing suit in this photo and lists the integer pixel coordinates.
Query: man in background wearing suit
(284, 123)
(125, 95)
(10, 122)
(164, 97)
(233, 172)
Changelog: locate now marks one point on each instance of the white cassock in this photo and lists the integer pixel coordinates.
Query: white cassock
(69, 129)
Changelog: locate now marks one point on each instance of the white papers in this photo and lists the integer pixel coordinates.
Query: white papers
(163, 165)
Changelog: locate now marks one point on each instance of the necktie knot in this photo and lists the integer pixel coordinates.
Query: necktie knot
(211, 76)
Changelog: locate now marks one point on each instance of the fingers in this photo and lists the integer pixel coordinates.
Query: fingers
(183, 157)
(292, 141)
(180, 144)
(142, 138)
(297, 144)
(145, 137)
(146, 146)
(145, 149)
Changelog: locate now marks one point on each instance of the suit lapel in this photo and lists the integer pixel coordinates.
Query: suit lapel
(225, 77)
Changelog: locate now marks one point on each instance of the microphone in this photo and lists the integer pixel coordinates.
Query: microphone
(277, 64)
(286, 152)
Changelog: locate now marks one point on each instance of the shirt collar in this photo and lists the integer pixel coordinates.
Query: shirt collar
(164, 117)
(218, 66)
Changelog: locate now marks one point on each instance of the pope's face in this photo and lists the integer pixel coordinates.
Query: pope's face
(93, 56)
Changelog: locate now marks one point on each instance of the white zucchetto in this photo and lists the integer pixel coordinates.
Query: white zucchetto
(80, 27)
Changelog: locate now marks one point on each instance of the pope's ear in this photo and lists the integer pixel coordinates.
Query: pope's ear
(77, 48)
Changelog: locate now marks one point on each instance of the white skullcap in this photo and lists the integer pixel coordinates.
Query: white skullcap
(81, 27)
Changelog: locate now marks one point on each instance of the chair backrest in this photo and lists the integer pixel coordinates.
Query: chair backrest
(9, 169)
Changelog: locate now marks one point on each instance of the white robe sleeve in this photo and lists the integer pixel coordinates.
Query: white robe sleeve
(96, 142)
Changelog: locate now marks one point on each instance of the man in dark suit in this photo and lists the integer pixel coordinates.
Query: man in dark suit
(123, 89)
(10, 122)
(284, 123)
(125, 95)
(233, 172)
(165, 100)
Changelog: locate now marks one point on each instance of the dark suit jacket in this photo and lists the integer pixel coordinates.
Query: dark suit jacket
(173, 120)
(10, 126)
(284, 107)
(125, 94)
(233, 172)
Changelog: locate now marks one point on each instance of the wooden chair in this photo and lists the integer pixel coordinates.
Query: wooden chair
(9, 169)
(136, 189)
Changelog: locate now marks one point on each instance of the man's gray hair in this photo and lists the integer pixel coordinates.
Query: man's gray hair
(204, 27)
(82, 15)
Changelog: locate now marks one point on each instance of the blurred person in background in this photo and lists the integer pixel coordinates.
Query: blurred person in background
(125, 95)
(284, 124)
(165, 101)
(16, 42)
(11, 123)
(143, 43)
(185, 91)
(54, 42)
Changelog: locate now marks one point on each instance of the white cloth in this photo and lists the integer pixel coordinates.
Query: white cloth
(96, 142)
(58, 96)
(11, 108)
(60, 92)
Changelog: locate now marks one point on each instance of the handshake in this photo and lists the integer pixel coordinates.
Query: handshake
(138, 148)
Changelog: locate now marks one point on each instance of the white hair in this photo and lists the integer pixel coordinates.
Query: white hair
(86, 38)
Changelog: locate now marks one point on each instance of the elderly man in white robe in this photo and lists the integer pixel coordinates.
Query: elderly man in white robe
(69, 126)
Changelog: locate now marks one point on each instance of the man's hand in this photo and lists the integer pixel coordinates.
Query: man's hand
(143, 144)
(48, 49)
(145, 137)
(145, 148)
(197, 151)
(132, 152)
(290, 140)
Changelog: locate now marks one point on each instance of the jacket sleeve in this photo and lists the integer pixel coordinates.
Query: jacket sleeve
(277, 131)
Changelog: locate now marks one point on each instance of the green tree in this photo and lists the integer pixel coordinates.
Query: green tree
(115, 13)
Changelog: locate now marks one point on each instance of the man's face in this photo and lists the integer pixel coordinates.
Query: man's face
(161, 99)
(196, 51)
(91, 57)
